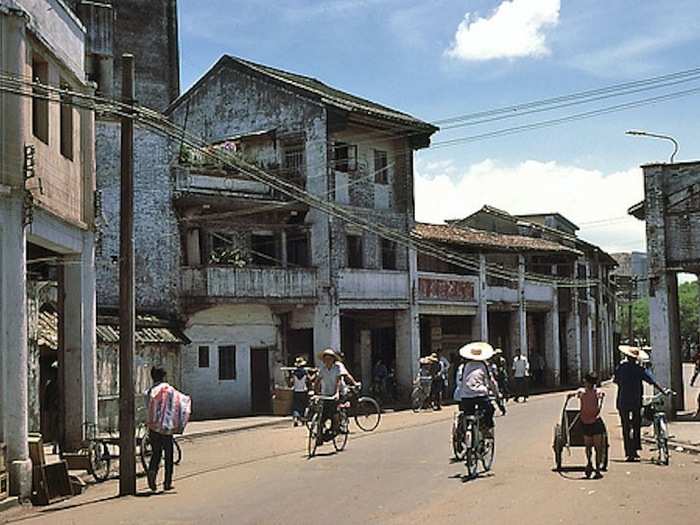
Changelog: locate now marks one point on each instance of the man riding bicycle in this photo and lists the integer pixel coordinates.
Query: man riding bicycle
(477, 382)
(328, 383)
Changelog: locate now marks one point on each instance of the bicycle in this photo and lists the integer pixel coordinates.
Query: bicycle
(319, 429)
(457, 437)
(365, 410)
(653, 411)
(479, 445)
(146, 449)
(420, 396)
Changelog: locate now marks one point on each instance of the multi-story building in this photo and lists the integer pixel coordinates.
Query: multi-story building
(518, 297)
(46, 226)
(265, 278)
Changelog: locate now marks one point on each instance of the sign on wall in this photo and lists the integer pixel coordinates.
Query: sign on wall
(446, 290)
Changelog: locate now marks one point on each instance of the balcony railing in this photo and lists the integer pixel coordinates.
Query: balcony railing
(373, 285)
(219, 282)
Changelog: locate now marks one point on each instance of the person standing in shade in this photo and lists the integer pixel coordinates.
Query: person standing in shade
(300, 390)
(629, 376)
(538, 368)
(521, 375)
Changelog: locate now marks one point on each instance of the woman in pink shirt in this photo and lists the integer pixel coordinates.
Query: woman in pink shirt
(591, 399)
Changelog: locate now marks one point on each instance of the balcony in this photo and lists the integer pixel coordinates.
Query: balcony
(373, 285)
(219, 284)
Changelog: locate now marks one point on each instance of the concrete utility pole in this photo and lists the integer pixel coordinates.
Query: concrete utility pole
(127, 322)
(630, 307)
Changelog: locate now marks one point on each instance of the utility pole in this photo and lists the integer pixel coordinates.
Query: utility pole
(630, 298)
(127, 323)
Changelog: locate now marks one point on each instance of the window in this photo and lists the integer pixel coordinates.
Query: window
(388, 254)
(264, 249)
(40, 104)
(227, 363)
(298, 249)
(344, 157)
(66, 125)
(354, 251)
(294, 161)
(203, 357)
(381, 167)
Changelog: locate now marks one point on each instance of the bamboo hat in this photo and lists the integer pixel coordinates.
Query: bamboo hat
(329, 353)
(478, 351)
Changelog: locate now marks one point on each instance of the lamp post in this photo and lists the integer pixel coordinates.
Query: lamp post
(656, 136)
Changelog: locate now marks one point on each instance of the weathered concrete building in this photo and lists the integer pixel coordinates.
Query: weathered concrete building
(633, 266)
(265, 278)
(671, 208)
(512, 300)
(46, 222)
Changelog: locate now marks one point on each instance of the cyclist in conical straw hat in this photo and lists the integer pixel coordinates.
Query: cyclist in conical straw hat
(477, 382)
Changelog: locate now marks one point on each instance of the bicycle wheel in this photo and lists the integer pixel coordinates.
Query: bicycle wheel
(488, 452)
(340, 440)
(417, 399)
(471, 459)
(146, 452)
(314, 433)
(662, 442)
(458, 446)
(99, 460)
(177, 452)
(367, 414)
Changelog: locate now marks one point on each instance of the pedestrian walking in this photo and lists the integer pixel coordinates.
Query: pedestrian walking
(521, 376)
(629, 376)
(437, 382)
(168, 413)
(538, 368)
(300, 390)
(591, 400)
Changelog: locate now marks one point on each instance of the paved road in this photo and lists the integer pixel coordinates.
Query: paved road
(401, 474)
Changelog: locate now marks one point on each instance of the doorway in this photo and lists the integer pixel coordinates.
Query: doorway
(261, 399)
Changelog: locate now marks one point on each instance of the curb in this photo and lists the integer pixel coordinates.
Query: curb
(687, 448)
(8, 503)
(233, 430)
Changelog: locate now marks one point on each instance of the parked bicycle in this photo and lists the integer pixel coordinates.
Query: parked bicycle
(653, 414)
(365, 410)
(320, 430)
(420, 395)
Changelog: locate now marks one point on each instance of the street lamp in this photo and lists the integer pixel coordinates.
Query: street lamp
(656, 136)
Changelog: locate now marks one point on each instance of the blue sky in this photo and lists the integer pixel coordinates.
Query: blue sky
(425, 58)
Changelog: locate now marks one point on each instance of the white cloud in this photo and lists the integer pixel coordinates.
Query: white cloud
(514, 29)
(587, 197)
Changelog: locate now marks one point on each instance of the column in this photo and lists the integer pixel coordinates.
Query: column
(407, 348)
(483, 315)
(552, 349)
(665, 334)
(89, 340)
(573, 333)
(522, 308)
(71, 363)
(588, 362)
(326, 326)
(366, 357)
(13, 345)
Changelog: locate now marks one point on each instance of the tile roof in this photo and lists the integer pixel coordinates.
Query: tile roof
(481, 239)
(318, 90)
(147, 331)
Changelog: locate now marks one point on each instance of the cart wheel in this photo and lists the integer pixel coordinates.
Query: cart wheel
(558, 446)
(606, 453)
(99, 460)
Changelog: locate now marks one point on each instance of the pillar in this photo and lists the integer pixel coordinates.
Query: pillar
(522, 308)
(89, 339)
(71, 359)
(552, 349)
(407, 348)
(573, 337)
(483, 315)
(665, 334)
(13, 346)
(588, 360)
(326, 326)
(366, 357)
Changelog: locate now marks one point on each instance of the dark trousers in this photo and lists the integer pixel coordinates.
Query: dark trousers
(521, 387)
(631, 431)
(436, 392)
(162, 443)
(468, 406)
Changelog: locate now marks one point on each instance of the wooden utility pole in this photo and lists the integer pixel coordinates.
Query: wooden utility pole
(127, 314)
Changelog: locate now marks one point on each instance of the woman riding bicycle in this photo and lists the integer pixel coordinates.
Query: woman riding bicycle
(477, 382)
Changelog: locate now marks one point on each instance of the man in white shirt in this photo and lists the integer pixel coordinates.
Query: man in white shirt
(521, 375)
